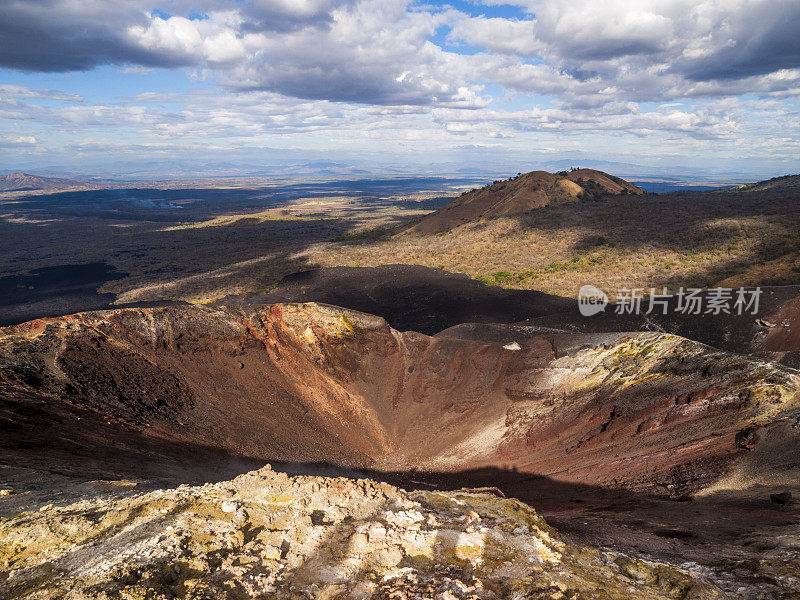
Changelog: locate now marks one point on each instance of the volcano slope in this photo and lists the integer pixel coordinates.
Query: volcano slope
(524, 193)
(142, 393)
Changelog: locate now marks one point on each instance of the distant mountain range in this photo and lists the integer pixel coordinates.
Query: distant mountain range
(14, 182)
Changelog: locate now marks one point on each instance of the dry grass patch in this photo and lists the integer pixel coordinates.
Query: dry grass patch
(653, 241)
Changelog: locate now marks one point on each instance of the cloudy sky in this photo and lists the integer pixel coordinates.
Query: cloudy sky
(138, 86)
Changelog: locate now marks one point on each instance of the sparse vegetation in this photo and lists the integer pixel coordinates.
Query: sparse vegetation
(372, 233)
(625, 241)
(767, 183)
(674, 240)
(591, 190)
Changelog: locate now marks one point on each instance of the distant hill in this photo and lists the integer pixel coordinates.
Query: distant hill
(523, 193)
(16, 182)
(788, 183)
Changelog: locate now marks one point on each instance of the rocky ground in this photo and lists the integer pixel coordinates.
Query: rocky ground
(268, 535)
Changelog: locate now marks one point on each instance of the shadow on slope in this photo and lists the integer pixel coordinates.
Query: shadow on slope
(410, 297)
(433, 301)
(55, 291)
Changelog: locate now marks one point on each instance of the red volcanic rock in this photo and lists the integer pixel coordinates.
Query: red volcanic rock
(311, 382)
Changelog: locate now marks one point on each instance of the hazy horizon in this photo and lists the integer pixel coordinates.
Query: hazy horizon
(322, 171)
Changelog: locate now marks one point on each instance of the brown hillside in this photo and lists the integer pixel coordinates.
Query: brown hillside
(589, 179)
(523, 193)
(24, 181)
(785, 183)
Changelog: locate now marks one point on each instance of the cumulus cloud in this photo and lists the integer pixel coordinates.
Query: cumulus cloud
(71, 35)
(759, 39)
(343, 50)
(381, 53)
(506, 36)
(364, 56)
(673, 69)
(288, 15)
(697, 41)
(588, 30)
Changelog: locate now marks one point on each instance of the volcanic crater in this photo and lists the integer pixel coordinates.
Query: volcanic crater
(313, 383)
